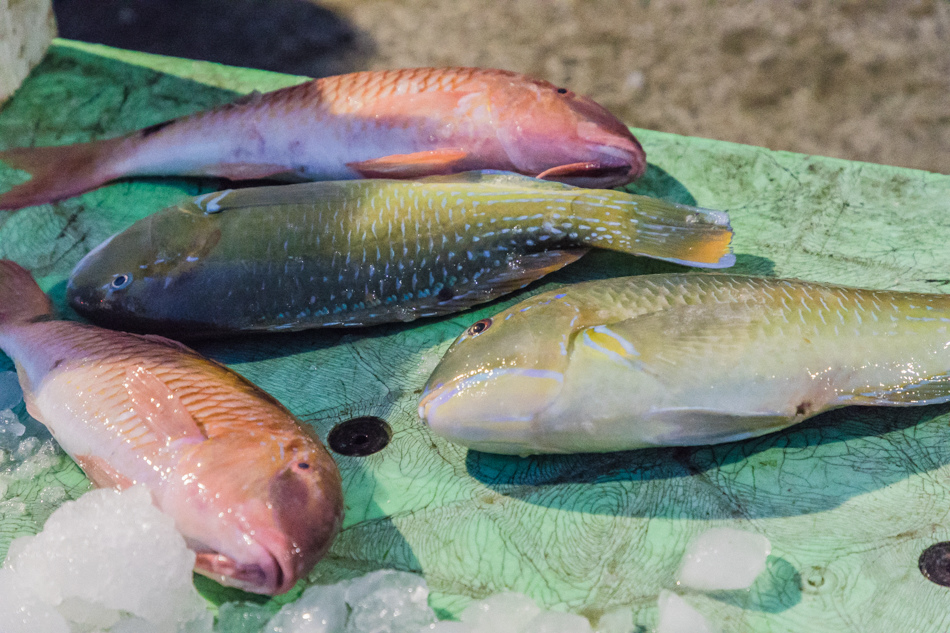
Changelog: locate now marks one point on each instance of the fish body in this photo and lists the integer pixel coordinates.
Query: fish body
(396, 124)
(670, 360)
(252, 490)
(365, 252)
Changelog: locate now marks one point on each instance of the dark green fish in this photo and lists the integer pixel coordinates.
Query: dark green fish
(363, 252)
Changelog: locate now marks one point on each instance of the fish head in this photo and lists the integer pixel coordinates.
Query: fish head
(500, 374)
(129, 280)
(556, 134)
(258, 520)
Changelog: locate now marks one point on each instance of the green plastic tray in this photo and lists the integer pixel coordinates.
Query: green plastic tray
(849, 499)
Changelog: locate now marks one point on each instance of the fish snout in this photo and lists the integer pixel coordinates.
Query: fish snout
(492, 411)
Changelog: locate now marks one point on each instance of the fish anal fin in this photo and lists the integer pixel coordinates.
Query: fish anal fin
(697, 427)
(242, 171)
(933, 390)
(102, 474)
(414, 165)
(160, 409)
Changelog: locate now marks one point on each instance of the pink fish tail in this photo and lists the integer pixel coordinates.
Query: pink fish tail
(21, 299)
(58, 172)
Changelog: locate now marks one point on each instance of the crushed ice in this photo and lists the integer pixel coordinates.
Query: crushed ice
(109, 561)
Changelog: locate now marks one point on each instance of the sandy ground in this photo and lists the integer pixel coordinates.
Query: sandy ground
(859, 79)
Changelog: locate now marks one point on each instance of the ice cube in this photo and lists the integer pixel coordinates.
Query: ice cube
(723, 559)
(10, 393)
(506, 612)
(10, 429)
(676, 616)
(21, 611)
(320, 609)
(242, 617)
(111, 554)
(557, 622)
(388, 601)
(618, 620)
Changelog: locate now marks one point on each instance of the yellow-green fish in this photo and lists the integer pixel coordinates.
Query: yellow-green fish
(363, 252)
(683, 359)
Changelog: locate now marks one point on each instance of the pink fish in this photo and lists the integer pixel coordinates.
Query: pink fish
(252, 490)
(394, 124)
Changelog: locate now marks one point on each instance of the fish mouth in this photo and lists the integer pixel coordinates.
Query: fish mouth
(267, 575)
(493, 411)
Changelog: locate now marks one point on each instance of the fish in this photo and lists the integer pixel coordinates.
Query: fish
(682, 360)
(365, 252)
(376, 124)
(251, 489)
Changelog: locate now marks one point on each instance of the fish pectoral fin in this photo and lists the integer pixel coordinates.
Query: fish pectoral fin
(160, 408)
(678, 340)
(695, 427)
(436, 161)
(102, 474)
(932, 390)
(519, 273)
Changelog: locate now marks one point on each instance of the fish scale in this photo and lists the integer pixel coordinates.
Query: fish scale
(683, 359)
(365, 252)
(250, 488)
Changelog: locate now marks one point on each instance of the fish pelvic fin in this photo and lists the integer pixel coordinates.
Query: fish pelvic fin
(21, 299)
(415, 165)
(58, 172)
(678, 233)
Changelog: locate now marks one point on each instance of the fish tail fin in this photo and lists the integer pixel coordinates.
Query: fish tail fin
(21, 299)
(651, 227)
(58, 172)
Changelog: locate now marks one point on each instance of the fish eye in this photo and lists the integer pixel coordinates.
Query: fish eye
(121, 281)
(479, 326)
(562, 91)
(303, 465)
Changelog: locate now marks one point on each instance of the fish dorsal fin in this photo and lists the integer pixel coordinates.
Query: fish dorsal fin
(414, 165)
(931, 390)
(155, 338)
(230, 199)
(502, 178)
(160, 409)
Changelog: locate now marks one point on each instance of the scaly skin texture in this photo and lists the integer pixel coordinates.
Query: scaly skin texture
(374, 251)
(683, 359)
(399, 123)
(252, 490)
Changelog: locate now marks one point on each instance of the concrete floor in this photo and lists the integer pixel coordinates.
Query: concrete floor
(859, 79)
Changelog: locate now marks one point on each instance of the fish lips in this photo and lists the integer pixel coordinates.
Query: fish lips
(264, 570)
(492, 411)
